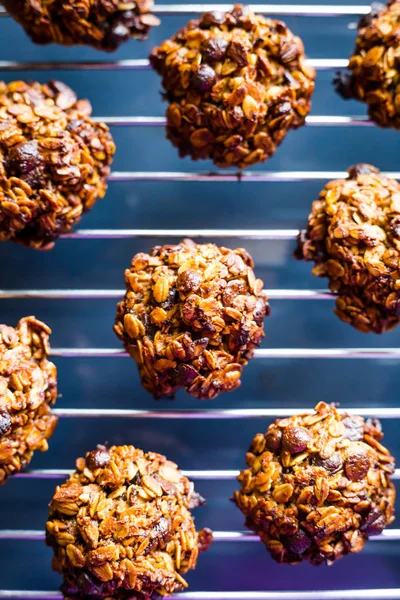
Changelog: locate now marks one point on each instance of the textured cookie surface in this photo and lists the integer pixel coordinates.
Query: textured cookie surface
(317, 486)
(374, 73)
(28, 388)
(103, 24)
(191, 317)
(54, 161)
(353, 236)
(236, 83)
(121, 526)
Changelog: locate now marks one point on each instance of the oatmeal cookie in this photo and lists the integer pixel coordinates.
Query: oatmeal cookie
(236, 83)
(317, 486)
(28, 388)
(54, 161)
(353, 236)
(191, 317)
(121, 526)
(103, 24)
(374, 76)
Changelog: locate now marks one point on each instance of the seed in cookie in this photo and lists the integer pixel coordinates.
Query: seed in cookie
(122, 527)
(28, 388)
(236, 83)
(104, 25)
(191, 317)
(353, 237)
(54, 161)
(374, 76)
(324, 499)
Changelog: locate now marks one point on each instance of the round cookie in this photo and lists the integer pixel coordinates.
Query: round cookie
(191, 317)
(353, 236)
(54, 161)
(236, 83)
(104, 25)
(317, 486)
(374, 76)
(28, 388)
(121, 526)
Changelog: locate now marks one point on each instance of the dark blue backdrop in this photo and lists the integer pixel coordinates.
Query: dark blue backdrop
(266, 383)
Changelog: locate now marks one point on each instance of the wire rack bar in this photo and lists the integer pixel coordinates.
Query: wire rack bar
(317, 121)
(218, 536)
(140, 64)
(238, 413)
(209, 475)
(301, 10)
(378, 594)
(253, 176)
(250, 234)
(115, 294)
(308, 353)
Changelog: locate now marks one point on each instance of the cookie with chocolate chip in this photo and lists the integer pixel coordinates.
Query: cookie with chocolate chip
(28, 389)
(317, 486)
(373, 75)
(191, 317)
(54, 161)
(236, 83)
(121, 526)
(353, 237)
(104, 24)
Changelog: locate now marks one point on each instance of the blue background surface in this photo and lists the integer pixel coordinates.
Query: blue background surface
(91, 383)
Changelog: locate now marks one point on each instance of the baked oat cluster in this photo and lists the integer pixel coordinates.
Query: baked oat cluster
(103, 24)
(374, 74)
(121, 526)
(28, 388)
(236, 83)
(317, 486)
(54, 161)
(353, 236)
(191, 317)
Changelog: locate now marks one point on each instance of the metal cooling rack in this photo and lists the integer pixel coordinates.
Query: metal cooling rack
(275, 294)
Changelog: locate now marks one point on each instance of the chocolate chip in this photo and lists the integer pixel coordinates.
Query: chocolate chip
(170, 301)
(240, 11)
(295, 439)
(261, 310)
(186, 374)
(273, 439)
(361, 169)
(297, 543)
(281, 109)
(238, 53)
(332, 464)
(211, 18)
(98, 459)
(395, 226)
(196, 500)
(354, 428)
(343, 84)
(214, 49)
(116, 35)
(357, 466)
(189, 281)
(374, 523)
(365, 20)
(160, 529)
(5, 421)
(203, 78)
(26, 162)
(205, 539)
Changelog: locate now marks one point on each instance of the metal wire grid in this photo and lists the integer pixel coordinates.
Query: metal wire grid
(277, 294)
